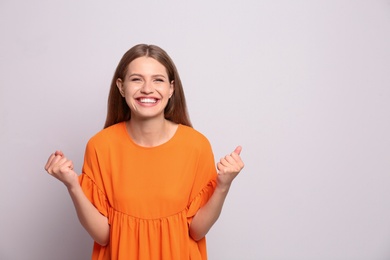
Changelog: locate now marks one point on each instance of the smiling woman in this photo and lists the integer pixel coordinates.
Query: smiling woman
(146, 88)
(149, 188)
(118, 109)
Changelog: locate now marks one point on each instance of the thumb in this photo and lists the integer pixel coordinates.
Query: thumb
(60, 153)
(238, 150)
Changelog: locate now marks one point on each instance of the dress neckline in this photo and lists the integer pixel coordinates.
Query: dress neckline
(171, 140)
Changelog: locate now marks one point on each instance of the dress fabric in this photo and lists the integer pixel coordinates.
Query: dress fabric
(149, 194)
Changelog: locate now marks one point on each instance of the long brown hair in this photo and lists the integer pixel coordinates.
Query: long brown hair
(117, 108)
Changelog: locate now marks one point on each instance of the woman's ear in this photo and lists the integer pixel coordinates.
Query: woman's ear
(119, 84)
(172, 88)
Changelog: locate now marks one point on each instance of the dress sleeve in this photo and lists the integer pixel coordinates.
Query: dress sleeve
(204, 182)
(91, 181)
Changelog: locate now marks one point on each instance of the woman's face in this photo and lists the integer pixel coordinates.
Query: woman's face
(146, 88)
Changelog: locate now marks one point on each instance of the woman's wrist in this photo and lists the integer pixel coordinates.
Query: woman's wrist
(222, 187)
(73, 187)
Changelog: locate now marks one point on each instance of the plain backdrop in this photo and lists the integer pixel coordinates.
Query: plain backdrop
(303, 86)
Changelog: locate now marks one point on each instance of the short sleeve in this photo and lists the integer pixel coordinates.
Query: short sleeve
(204, 182)
(91, 178)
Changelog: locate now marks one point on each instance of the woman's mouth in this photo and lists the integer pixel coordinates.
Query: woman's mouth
(147, 100)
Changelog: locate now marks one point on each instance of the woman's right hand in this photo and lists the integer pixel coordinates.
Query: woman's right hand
(92, 220)
(61, 168)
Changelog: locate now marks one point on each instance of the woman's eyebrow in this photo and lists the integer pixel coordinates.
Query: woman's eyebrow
(158, 75)
(135, 74)
(140, 75)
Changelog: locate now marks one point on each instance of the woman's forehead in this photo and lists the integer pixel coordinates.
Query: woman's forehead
(146, 66)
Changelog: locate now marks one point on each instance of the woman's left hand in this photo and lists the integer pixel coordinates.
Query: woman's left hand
(229, 167)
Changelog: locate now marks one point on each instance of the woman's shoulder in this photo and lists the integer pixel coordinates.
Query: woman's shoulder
(190, 134)
(110, 133)
(190, 131)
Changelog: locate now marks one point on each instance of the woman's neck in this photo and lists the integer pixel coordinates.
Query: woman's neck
(150, 133)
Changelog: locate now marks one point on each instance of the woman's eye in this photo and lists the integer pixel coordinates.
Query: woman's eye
(135, 79)
(159, 80)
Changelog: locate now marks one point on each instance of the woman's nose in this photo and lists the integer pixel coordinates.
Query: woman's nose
(147, 87)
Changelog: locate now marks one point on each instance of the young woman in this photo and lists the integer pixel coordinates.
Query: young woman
(149, 188)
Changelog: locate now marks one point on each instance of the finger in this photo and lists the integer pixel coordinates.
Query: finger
(221, 168)
(238, 150)
(236, 156)
(224, 161)
(56, 164)
(57, 159)
(66, 166)
(59, 152)
(234, 161)
(62, 161)
(71, 165)
(53, 162)
(49, 160)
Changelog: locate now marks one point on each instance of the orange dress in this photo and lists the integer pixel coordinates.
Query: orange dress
(149, 194)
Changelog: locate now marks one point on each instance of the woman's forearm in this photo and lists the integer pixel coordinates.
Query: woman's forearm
(90, 218)
(228, 168)
(208, 214)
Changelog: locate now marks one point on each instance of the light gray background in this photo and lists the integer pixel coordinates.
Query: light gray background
(303, 86)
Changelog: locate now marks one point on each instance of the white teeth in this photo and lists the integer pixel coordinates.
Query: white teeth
(147, 100)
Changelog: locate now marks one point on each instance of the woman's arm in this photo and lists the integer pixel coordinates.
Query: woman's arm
(90, 218)
(228, 168)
